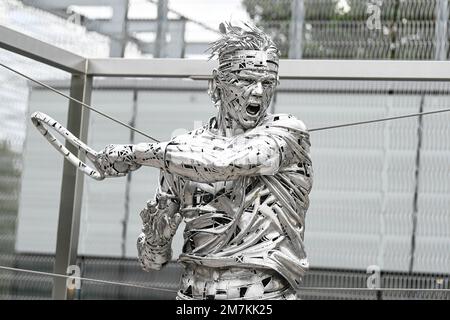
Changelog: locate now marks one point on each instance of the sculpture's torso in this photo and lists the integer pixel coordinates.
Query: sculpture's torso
(245, 237)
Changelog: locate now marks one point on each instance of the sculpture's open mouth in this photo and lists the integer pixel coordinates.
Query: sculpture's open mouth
(253, 109)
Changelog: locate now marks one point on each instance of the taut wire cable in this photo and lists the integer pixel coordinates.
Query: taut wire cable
(77, 101)
(380, 120)
(174, 291)
(86, 279)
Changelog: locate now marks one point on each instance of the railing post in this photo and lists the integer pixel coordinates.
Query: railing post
(160, 42)
(71, 188)
(296, 29)
(441, 40)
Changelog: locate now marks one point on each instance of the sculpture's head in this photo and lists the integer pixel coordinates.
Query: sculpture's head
(247, 75)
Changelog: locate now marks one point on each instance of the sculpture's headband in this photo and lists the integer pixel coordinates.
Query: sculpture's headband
(249, 60)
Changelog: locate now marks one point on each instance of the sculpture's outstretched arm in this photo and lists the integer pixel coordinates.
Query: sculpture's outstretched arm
(160, 221)
(210, 158)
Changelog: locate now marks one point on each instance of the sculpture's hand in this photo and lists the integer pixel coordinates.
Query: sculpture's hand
(116, 161)
(160, 222)
(161, 219)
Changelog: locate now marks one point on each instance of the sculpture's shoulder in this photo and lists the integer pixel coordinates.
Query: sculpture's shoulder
(284, 120)
(290, 130)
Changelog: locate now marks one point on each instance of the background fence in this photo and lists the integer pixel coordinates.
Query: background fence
(356, 29)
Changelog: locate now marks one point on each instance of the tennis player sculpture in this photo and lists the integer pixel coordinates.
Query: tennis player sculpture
(241, 183)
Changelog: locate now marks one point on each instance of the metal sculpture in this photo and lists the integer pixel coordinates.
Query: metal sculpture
(241, 183)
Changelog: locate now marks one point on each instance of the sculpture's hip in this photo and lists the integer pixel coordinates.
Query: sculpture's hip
(202, 283)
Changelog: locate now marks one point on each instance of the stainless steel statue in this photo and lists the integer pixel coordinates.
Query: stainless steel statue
(240, 183)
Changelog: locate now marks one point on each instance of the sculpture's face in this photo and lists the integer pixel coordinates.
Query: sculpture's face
(246, 95)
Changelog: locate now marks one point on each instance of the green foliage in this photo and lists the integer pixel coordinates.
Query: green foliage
(9, 160)
(10, 174)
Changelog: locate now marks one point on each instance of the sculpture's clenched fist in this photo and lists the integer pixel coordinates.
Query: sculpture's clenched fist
(160, 222)
(160, 228)
(116, 160)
